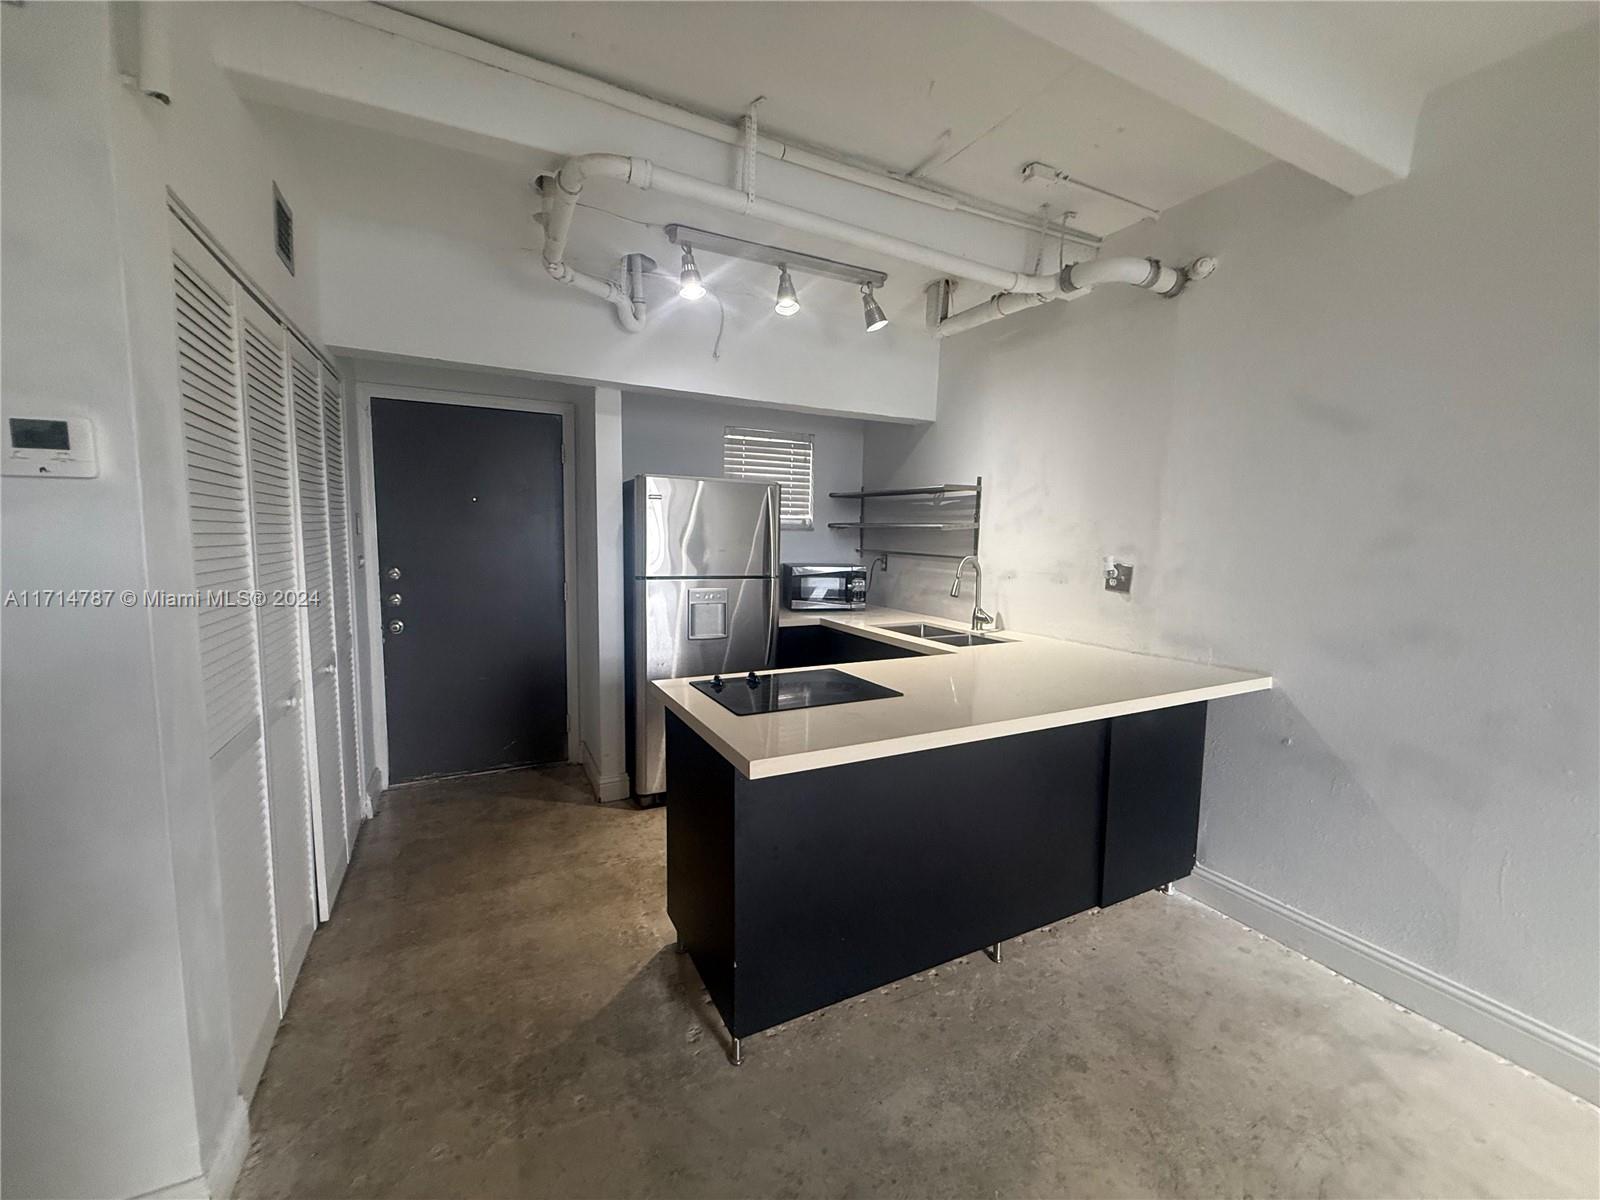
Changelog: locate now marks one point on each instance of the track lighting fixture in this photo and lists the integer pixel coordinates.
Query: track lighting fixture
(874, 314)
(689, 285)
(788, 303)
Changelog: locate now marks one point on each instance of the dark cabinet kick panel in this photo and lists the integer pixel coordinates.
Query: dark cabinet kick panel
(796, 891)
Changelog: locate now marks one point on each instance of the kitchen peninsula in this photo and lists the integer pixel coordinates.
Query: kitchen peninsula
(819, 852)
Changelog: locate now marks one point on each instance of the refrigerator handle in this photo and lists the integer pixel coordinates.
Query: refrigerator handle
(773, 590)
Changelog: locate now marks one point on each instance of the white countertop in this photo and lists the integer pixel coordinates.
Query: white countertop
(951, 695)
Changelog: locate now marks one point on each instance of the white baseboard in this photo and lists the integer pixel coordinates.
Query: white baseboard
(222, 1173)
(606, 787)
(188, 1189)
(1559, 1057)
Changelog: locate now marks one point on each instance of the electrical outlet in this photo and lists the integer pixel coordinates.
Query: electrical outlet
(1118, 575)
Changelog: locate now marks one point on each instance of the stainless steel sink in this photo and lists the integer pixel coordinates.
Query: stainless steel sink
(967, 639)
(943, 634)
(921, 630)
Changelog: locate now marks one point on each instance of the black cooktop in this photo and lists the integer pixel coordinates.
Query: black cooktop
(747, 695)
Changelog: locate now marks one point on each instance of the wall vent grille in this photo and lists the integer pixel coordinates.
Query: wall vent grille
(283, 228)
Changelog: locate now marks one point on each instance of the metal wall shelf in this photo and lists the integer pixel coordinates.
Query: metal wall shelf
(942, 525)
(938, 489)
(940, 495)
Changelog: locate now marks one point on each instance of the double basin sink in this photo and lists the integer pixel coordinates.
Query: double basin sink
(946, 637)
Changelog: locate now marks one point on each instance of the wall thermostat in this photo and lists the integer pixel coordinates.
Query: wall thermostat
(50, 447)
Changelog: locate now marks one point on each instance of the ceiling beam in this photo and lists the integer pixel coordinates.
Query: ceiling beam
(1267, 74)
(416, 79)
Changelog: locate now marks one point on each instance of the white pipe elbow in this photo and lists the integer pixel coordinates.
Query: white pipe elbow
(580, 168)
(562, 204)
(631, 316)
(1145, 273)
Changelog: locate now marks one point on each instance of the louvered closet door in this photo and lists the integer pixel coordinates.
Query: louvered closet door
(332, 845)
(219, 520)
(278, 626)
(333, 440)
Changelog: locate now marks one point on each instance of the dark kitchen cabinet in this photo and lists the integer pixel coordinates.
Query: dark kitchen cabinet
(820, 646)
(1154, 763)
(848, 877)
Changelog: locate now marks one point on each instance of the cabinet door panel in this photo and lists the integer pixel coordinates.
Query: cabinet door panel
(205, 303)
(266, 393)
(331, 836)
(333, 428)
(1153, 776)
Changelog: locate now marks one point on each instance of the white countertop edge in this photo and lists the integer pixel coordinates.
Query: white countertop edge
(811, 760)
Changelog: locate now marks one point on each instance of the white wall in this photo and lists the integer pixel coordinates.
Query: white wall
(675, 435)
(1363, 455)
(221, 156)
(433, 253)
(99, 1098)
(119, 1071)
(603, 724)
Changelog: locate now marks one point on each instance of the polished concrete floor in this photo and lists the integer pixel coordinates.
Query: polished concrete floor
(496, 1010)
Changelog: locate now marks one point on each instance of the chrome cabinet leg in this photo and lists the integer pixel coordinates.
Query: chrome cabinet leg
(993, 952)
(736, 1055)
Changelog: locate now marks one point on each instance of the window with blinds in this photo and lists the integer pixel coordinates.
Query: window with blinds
(767, 456)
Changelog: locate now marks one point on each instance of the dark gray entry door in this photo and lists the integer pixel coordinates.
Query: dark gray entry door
(471, 566)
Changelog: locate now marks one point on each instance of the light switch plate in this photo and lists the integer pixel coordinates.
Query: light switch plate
(1118, 575)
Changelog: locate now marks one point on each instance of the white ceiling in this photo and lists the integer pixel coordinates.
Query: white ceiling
(972, 96)
(884, 82)
(1426, 44)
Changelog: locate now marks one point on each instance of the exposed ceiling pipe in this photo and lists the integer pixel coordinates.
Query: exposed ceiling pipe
(1139, 272)
(1004, 305)
(155, 51)
(628, 300)
(1019, 291)
(646, 176)
(442, 37)
(1077, 280)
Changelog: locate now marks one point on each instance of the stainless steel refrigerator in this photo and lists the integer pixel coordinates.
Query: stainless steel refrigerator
(702, 568)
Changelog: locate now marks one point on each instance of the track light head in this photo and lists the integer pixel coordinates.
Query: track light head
(869, 306)
(788, 303)
(689, 285)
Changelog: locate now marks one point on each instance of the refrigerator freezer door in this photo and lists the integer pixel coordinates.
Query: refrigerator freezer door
(692, 528)
(692, 627)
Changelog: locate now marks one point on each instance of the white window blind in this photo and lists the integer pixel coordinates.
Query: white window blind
(767, 456)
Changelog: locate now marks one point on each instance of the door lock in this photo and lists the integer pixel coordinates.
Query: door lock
(396, 626)
(392, 599)
(392, 574)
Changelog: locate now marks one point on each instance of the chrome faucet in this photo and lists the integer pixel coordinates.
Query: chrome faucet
(979, 617)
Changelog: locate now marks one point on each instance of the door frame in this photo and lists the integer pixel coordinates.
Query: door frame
(372, 610)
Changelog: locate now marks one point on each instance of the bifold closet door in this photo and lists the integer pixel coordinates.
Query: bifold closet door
(331, 838)
(216, 476)
(278, 626)
(334, 442)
